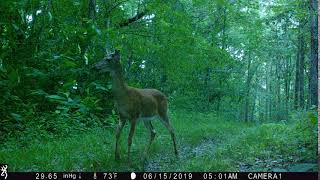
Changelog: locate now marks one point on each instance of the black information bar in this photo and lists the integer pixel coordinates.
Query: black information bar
(159, 176)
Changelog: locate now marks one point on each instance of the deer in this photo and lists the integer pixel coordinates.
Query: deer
(134, 104)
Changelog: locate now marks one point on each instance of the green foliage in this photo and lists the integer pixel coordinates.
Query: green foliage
(218, 62)
(212, 144)
(49, 46)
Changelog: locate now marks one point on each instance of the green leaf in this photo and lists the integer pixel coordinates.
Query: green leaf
(100, 87)
(39, 92)
(50, 16)
(17, 117)
(36, 73)
(56, 98)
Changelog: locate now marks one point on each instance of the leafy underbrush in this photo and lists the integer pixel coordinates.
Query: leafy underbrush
(206, 142)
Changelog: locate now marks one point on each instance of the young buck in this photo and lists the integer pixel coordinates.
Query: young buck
(134, 104)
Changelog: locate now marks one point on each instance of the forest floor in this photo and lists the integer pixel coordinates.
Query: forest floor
(206, 142)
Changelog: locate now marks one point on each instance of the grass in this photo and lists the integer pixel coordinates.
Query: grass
(205, 143)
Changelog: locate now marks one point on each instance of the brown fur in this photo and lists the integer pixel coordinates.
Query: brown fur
(134, 103)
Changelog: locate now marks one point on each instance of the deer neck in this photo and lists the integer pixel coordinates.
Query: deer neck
(119, 87)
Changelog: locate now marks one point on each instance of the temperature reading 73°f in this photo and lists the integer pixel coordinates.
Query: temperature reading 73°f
(110, 175)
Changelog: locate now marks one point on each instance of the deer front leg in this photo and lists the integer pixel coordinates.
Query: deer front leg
(120, 126)
(132, 128)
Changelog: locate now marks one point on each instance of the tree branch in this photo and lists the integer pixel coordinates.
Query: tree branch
(132, 20)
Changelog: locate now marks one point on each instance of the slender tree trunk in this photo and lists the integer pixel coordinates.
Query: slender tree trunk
(287, 75)
(299, 84)
(271, 93)
(318, 103)
(260, 110)
(278, 86)
(92, 9)
(287, 86)
(253, 106)
(308, 94)
(267, 96)
(296, 84)
(224, 28)
(314, 54)
(318, 67)
(301, 72)
(248, 86)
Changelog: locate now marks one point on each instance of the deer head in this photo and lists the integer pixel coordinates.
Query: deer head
(110, 63)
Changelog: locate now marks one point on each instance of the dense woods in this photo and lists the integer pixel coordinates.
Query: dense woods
(249, 68)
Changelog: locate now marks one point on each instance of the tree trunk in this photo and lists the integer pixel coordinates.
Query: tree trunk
(301, 71)
(253, 106)
(308, 94)
(278, 86)
(314, 54)
(224, 28)
(299, 79)
(267, 97)
(271, 93)
(248, 84)
(287, 86)
(92, 9)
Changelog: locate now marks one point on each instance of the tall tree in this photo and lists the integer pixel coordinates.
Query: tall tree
(248, 87)
(299, 78)
(314, 53)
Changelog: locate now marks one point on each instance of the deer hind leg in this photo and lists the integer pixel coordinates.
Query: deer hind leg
(149, 126)
(120, 126)
(166, 122)
(131, 132)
